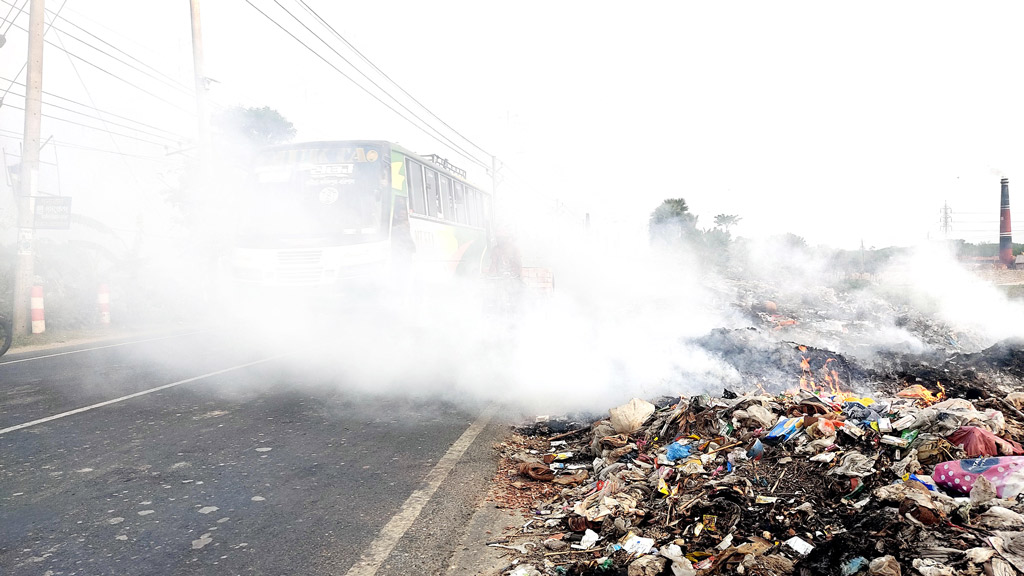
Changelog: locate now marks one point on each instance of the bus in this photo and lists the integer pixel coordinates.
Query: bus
(325, 214)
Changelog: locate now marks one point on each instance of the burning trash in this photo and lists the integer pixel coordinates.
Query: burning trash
(814, 480)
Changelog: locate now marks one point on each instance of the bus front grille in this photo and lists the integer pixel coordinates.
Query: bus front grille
(299, 266)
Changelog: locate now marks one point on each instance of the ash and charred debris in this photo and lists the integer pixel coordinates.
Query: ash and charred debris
(802, 482)
(861, 321)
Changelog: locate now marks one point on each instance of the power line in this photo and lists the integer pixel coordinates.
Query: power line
(23, 66)
(171, 84)
(108, 72)
(118, 124)
(11, 155)
(154, 69)
(101, 111)
(467, 155)
(447, 141)
(382, 73)
(20, 10)
(88, 95)
(66, 144)
(58, 118)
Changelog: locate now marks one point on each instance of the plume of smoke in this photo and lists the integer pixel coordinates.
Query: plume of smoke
(616, 326)
(929, 279)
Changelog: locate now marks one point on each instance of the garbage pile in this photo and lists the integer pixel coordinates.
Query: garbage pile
(859, 321)
(804, 482)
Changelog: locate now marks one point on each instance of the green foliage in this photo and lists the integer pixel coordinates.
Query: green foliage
(724, 221)
(238, 132)
(982, 250)
(256, 126)
(69, 275)
(671, 222)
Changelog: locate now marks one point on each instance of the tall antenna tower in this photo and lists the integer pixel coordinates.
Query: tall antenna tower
(946, 219)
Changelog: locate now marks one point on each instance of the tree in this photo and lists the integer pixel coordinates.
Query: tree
(672, 221)
(724, 221)
(255, 126)
(239, 132)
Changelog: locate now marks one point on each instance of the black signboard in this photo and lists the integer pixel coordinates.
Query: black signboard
(53, 212)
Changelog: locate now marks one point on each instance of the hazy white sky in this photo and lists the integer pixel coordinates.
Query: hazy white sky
(837, 122)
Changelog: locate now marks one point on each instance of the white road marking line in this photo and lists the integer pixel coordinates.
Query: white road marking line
(102, 347)
(137, 394)
(379, 550)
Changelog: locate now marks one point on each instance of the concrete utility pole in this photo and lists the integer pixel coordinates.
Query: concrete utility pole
(494, 192)
(202, 105)
(24, 274)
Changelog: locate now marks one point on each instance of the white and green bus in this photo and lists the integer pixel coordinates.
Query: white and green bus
(322, 214)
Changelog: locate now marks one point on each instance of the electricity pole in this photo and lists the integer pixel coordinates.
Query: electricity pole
(202, 106)
(24, 274)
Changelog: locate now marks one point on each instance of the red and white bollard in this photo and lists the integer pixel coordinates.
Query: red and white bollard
(103, 299)
(38, 321)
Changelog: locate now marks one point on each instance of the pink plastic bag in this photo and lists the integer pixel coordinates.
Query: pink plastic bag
(958, 476)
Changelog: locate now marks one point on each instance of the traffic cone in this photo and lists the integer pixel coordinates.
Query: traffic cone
(103, 299)
(38, 320)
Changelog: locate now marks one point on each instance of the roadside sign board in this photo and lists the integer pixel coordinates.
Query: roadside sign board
(53, 212)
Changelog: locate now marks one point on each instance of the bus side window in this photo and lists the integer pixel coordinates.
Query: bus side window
(433, 200)
(470, 206)
(446, 198)
(415, 176)
(475, 212)
(460, 204)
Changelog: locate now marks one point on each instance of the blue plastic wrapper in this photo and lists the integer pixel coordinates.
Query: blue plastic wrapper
(926, 485)
(677, 451)
(856, 565)
(784, 430)
(756, 450)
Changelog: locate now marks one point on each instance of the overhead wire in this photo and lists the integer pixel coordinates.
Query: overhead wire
(175, 139)
(109, 73)
(59, 119)
(155, 158)
(439, 137)
(20, 10)
(171, 83)
(389, 79)
(77, 146)
(25, 65)
(107, 112)
(115, 48)
(88, 95)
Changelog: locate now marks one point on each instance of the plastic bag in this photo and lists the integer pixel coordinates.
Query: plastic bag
(629, 417)
(854, 464)
(980, 442)
(677, 451)
(958, 476)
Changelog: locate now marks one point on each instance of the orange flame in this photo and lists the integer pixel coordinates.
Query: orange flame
(831, 383)
(922, 394)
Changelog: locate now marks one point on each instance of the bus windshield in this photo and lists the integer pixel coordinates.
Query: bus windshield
(316, 196)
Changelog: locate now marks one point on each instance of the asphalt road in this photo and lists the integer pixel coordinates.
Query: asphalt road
(246, 464)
